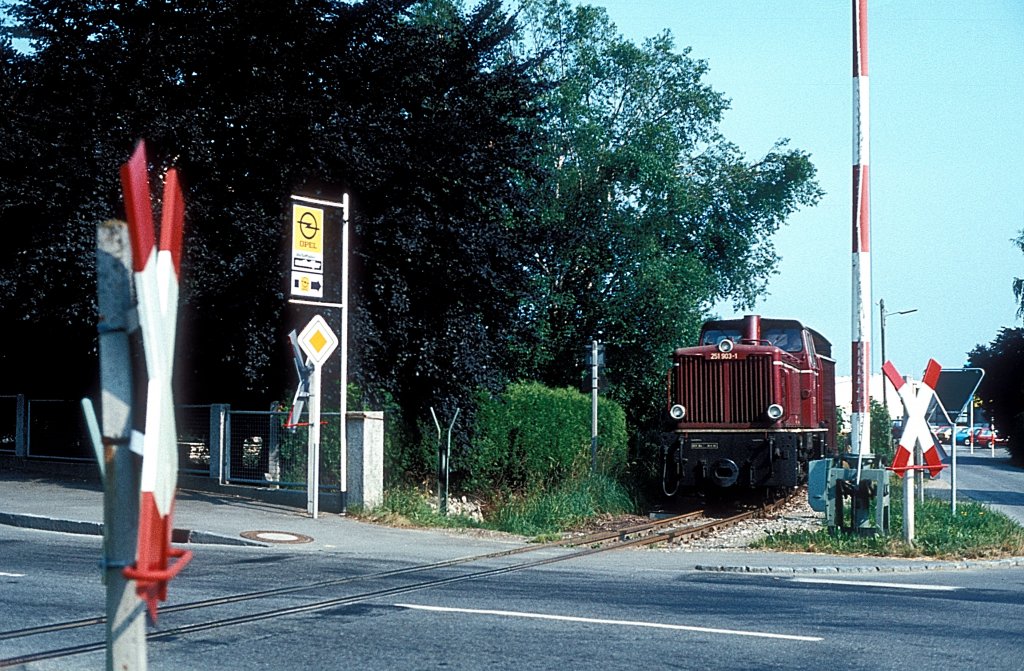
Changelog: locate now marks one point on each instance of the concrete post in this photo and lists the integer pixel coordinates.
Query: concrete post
(125, 628)
(365, 437)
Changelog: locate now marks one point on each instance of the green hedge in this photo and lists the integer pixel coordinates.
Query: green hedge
(881, 433)
(532, 438)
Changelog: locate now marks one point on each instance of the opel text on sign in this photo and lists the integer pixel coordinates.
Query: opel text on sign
(307, 269)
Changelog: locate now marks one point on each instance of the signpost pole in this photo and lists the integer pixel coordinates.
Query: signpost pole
(318, 342)
(313, 452)
(970, 431)
(908, 502)
(343, 422)
(594, 373)
(952, 485)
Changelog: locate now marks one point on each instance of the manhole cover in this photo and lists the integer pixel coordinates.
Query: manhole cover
(276, 536)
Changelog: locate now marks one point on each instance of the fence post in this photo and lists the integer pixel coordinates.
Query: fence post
(220, 432)
(274, 446)
(20, 444)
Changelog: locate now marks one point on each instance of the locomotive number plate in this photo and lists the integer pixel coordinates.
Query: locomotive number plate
(703, 445)
(716, 356)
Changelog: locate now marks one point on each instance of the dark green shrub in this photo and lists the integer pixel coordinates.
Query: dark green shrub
(881, 433)
(294, 449)
(532, 438)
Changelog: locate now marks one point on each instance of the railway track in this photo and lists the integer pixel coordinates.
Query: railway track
(676, 528)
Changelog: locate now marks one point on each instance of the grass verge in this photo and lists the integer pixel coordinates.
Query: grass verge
(549, 512)
(541, 514)
(974, 532)
(409, 507)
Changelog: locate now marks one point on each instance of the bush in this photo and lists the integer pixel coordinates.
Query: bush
(881, 433)
(294, 450)
(532, 438)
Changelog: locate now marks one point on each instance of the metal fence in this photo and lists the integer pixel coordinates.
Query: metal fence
(263, 449)
(12, 424)
(56, 430)
(231, 446)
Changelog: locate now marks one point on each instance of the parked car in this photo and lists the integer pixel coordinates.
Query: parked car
(963, 435)
(942, 433)
(985, 437)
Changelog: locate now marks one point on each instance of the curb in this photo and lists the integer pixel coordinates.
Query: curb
(26, 521)
(1010, 562)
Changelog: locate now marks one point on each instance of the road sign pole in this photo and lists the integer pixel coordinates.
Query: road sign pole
(952, 484)
(594, 373)
(342, 429)
(318, 341)
(908, 503)
(970, 431)
(313, 453)
(125, 625)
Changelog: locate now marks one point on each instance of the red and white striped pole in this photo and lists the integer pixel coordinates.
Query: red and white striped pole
(861, 421)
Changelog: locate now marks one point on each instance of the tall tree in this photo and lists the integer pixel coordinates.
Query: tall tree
(1018, 283)
(1002, 388)
(649, 215)
(419, 108)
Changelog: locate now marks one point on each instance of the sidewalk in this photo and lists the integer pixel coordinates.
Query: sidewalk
(76, 506)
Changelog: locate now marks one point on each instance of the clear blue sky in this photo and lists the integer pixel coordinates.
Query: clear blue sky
(947, 155)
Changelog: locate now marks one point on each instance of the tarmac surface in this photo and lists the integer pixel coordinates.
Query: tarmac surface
(235, 517)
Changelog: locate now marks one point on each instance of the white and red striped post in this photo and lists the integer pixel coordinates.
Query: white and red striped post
(860, 437)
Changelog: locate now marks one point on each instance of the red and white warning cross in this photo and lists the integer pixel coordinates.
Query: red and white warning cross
(915, 396)
(156, 272)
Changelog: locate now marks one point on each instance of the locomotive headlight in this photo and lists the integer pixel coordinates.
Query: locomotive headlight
(725, 345)
(677, 412)
(775, 412)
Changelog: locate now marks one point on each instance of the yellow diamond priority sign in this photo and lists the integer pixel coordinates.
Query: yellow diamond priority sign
(317, 340)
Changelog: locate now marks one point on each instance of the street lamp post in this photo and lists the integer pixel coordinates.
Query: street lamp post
(881, 308)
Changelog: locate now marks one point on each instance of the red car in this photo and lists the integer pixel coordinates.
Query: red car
(985, 437)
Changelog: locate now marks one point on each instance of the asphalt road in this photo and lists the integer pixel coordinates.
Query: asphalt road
(630, 609)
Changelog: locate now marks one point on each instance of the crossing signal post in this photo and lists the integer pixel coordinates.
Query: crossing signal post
(137, 286)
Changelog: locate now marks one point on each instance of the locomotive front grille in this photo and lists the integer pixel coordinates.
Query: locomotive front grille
(731, 391)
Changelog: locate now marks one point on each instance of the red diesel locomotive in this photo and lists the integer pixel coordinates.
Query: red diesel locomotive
(748, 407)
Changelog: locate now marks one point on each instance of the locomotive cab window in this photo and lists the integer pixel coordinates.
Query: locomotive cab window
(786, 339)
(715, 336)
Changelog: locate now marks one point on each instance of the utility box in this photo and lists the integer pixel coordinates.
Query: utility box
(817, 484)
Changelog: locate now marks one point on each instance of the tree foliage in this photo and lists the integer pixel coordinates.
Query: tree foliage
(1002, 388)
(415, 107)
(1018, 283)
(649, 216)
(520, 183)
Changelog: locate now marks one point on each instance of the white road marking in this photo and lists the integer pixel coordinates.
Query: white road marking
(870, 583)
(11, 575)
(623, 623)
